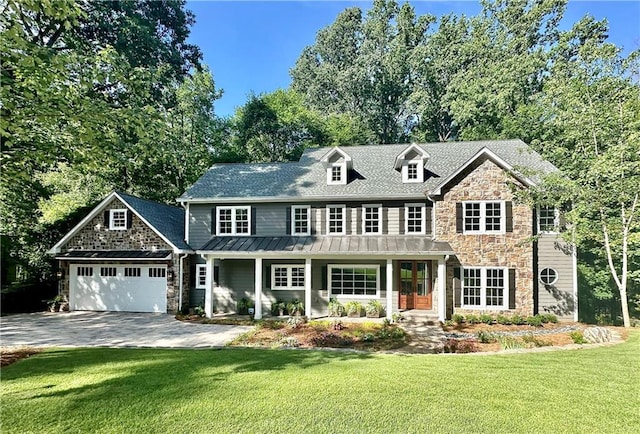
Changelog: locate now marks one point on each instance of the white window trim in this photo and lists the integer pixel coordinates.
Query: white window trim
(374, 205)
(554, 280)
(405, 171)
(289, 268)
(353, 296)
(556, 221)
(200, 267)
(112, 226)
(344, 219)
(483, 217)
(293, 220)
(483, 289)
(233, 220)
(343, 173)
(423, 223)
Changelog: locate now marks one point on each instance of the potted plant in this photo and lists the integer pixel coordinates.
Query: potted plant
(353, 309)
(335, 307)
(278, 308)
(243, 306)
(55, 302)
(373, 309)
(295, 307)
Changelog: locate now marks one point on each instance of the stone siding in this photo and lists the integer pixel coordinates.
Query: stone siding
(487, 181)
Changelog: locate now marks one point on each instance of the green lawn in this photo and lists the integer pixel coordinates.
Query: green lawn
(248, 390)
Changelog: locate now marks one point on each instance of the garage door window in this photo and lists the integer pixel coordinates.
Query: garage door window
(157, 272)
(108, 271)
(132, 272)
(85, 271)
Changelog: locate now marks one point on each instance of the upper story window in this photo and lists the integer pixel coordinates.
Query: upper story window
(412, 171)
(117, 219)
(300, 220)
(415, 218)
(336, 220)
(233, 220)
(484, 217)
(548, 219)
(372, 219)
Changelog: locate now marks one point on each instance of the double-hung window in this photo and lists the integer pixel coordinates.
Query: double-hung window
(336, 220)
(300, 220)
(372, 219)
(484, 288)
(484, 217)
(234, 220)
(284, 276)
(548, 219)
(414, 218)
(201, 276)
(117, 219)
(354, 280)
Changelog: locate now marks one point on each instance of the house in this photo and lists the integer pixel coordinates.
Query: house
(432, 227)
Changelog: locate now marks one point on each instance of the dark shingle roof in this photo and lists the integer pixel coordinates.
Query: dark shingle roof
(374, 175)
(166, 219)
(115, 254)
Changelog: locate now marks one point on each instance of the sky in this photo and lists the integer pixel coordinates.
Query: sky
(250, 46)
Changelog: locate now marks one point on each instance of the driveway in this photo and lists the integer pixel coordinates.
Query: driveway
(111, 329)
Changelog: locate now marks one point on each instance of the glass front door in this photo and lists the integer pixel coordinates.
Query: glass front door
(415, 285)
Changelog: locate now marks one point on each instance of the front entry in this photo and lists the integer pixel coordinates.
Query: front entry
(415, 285)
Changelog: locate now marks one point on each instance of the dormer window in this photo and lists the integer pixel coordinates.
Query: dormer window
(338, 164)
(411, 163)
(412, 171)
(117, 219)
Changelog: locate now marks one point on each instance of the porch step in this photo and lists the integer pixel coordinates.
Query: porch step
(420, 317)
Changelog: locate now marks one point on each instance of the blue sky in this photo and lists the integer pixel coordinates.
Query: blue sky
(252, 45)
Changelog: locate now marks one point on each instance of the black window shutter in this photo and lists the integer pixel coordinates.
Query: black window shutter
(287, 220)
(323, 272)
(509, 214)
(383, 277)
(313, 220)
(216, 275)
(459, 218)
(512, 288)
(401, 222)
(347, 220)
(385, 219)
(322, 224)
(106, 218)
(213, 221)
(267, 276)
(129, 219)
(359, 228)
(457, 286)
(429, 219)
(253, 220)
(192, 276)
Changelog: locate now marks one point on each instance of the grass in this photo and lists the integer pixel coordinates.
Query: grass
(252, 390)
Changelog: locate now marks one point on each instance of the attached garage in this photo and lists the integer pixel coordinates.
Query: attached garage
(118, 287)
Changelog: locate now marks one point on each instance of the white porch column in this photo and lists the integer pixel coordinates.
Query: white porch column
(208, 289)
(258, 288)
(389, 308)
(442, 289)
(307, 287)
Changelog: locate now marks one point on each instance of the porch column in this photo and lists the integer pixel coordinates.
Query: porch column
(389, 308)
(258, 288)
(208, 289)
(307, 287)
(442, 289)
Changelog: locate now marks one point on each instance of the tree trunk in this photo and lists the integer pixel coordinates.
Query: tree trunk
(625, 307)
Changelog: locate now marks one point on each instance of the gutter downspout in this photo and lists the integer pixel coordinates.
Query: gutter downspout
(180, 273)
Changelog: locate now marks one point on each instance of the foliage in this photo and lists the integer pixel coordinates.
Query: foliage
(295, 322)
(548, 318)
(534, 321)
(337, 325)
(335, 307)
(501, 319)
(373, 308)
(486, 318)
(289, 342)
(278, 308)
(518, 320)
(295, 307)
(243, 305)
(397, 317)
(472, 319)
(510, 343)
(577, 337)
(485, 337)
(460, 346)
(458, 318)
(353, 308)
(532, 341)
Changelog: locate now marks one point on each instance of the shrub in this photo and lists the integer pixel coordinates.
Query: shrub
(296, 321)
(295, 307)
(549, 318)
(486, 337)
(289, 342)
(373, 308)
(453, 345)
(510, 343)
(369, 337)
(448, 323)
(337, 325)
(486, 318)
(457, 318)
(272, 325)
(518, 320)
(335, 307)
(397, 317)
(198, 310)
(279, 308)
(330, 340)
(501, 319)
(353, 308)
(531, 340)
(577, 337)
(534, 321)
(472, 319)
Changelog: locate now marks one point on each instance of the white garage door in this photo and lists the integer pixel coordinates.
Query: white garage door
(121, 288)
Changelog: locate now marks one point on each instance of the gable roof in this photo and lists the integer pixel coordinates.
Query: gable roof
(165, 220)
(413, 147)
(374, 177)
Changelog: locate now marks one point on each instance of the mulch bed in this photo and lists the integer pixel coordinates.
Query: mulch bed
(12, 355)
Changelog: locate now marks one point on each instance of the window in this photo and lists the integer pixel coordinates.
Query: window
(547, 219)
(287, 276)
(131, 271)
(107, 271)
(484, 217)
(118, 219)
(336, 216)
(484, 288)
(85, 271)
(548, 276)
(372, 219)
(300, 220)
(412, 171)
(337, 173)
(157, 272)
(415, 222)
(201, 275)
(234, 220)
(354, 280)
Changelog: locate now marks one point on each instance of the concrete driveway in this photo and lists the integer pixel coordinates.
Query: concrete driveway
(111, 329)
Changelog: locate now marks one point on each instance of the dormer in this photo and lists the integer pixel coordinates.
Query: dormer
(411, 162)
(338, 163)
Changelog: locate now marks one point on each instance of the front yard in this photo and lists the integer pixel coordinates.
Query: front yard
(257, 390)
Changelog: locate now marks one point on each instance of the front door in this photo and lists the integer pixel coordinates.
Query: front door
(415, 285)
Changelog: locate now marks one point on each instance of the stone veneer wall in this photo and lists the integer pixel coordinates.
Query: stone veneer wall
(95, 235)
(487, 181)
